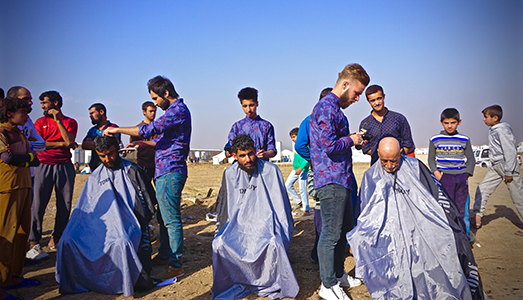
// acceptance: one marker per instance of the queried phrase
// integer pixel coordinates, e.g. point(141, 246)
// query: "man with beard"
point(108, 231)
point(331, 159)
point(172, 147)
point(410, 241)
point(56, 169)
point(98, 115)
point(253, 230)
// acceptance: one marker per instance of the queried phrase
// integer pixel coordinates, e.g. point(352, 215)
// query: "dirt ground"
point(498, 251)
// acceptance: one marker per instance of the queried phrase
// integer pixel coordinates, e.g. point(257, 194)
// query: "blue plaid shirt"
point(260, 131)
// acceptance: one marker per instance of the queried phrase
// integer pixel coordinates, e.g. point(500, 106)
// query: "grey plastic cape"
point(106, 236)
point(254, 229)
point(403, 245)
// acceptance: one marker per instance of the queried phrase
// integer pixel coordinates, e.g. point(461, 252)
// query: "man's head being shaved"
point(389, 153)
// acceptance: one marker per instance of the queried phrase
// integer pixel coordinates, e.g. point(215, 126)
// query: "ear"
point(166, 94)
point(459, 122)
point(233, 155)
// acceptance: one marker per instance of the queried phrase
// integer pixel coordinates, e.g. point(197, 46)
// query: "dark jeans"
point(169, 195)
point(337, 219)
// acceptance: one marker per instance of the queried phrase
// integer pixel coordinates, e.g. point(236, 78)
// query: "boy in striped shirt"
point(451, 159)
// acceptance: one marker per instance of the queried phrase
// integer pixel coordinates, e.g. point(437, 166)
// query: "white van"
point(481, 156)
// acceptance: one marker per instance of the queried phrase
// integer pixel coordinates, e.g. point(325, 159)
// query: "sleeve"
point(38, 127)
point(3, 143)
point(432, 157)
point(406, 135)
point(327, 130)
point(230, 137)
point(171, 119)
point(471, 161)
point(510, 155)
point(35, 140)
point(271, 142)
point(72, 127)
point(302, 140)
point(88, 135)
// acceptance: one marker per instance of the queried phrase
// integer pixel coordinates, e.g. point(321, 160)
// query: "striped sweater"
point(451, 154)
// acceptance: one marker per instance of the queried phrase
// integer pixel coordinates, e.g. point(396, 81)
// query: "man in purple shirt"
point(260, 130)
point(172, 146)
point(383, 122)
point(331, 158)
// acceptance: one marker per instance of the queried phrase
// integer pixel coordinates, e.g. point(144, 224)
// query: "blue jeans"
point(169, 195)
point(336, 216)
point(304, 196)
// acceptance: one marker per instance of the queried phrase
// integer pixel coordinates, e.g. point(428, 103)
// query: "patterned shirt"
point(393, 124)
point(174, 135)
point(451, 154)
point(260, 131)
point(330, 145)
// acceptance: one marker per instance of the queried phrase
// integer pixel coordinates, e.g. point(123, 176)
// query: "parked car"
point(481, 156)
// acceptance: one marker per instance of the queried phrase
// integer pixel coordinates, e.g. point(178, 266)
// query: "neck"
point(380, 113)
point(147, 121)
point(102, 124)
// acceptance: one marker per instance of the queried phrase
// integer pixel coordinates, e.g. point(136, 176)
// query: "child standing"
point(300, 170)
point(505, 167)
point(16, 157)
point(451, 159)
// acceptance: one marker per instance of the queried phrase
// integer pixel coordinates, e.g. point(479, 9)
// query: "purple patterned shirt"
point(174, 135)
point(331, 155)
point(260, 131)
point(393, 124)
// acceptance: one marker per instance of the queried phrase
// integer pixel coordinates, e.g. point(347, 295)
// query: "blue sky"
point(428, 55)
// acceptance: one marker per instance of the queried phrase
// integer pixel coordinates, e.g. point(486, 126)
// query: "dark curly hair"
point(242, 142)
point(11, 105)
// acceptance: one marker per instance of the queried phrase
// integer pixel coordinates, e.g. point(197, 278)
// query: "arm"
point(88, 143)
point(471, 161)
point(406, 136)
point(112, 131)
point(271, 144)
point(27, 159)
point(432, 160)
point(302, 140)
point(266, 154)
point(142, 144)
point(510, 155)
point(67, 136)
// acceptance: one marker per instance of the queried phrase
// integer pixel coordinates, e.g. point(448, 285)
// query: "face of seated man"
point(389, 153)
point(110, 157)
point(246, 159)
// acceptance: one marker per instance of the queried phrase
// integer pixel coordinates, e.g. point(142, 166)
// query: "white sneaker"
point(333, 293)
point(36, 253)
point(347, 281)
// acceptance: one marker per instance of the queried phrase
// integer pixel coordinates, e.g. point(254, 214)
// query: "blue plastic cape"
point(254, 229)
point(403, 245)
point(99, 249)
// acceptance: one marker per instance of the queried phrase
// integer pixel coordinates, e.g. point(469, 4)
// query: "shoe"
point(477, 220)
point(297, 207)
point(27, 282)
point(36, 253)
point(348, 281)
point(170, 272)
point(333, 293)
point(157, 261)
point(307, 213)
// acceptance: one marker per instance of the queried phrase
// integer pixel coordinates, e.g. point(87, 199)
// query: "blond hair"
point(354, 71)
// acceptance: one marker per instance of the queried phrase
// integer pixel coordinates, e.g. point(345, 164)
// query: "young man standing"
point(331, 159)
point(98, 115)
point(56, 169)
point(146, 147)
point(172, 147)
point(260, 130)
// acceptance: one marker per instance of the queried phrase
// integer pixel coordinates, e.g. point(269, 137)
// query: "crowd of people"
point(105, 244)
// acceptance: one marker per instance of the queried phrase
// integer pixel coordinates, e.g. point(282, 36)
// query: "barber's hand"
point(111, 131)
point(508, 179)
point(357, 138)
point(261, 153)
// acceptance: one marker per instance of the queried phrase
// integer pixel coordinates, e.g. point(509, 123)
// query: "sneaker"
point(333, 293)
point(158, 261)
point(170, 272)
point(348, 281)
point(36, 253)
point(297, 207)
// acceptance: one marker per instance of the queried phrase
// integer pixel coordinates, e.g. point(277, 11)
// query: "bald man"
point(411, 232)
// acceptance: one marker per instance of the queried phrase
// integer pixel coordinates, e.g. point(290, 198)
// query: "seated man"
point(253, 230)
point(105, 246)
point(410, 242)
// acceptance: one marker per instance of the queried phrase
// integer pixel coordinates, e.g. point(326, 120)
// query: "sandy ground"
point(498, 252)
